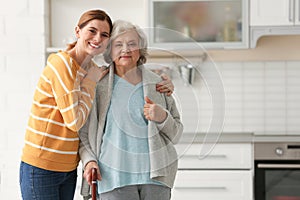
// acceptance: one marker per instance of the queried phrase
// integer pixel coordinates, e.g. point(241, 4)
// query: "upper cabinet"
point(269, 17)
point(274, 13)
point(183, 24)
point(196, 24)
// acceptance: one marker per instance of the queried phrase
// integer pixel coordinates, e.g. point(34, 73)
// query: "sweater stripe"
point(76, 104)
point(48, 81)
point(44, 105)
point(51, 136)
point(73, 123)
point(83, 114)
point(45, 79)
point(55, 122)
point(86, 106)
point(71, 107)
point(58, 77)
point(88, 95)
point(51, 150)
point(43, 92)
point(81, 74)
point(47, 120)
point(66, 63)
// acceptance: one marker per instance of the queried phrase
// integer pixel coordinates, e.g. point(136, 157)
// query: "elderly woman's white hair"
point(121, 26)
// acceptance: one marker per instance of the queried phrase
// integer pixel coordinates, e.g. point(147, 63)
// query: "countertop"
point(236, 137)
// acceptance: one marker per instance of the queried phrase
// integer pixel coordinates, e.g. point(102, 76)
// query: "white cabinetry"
point(213, 184)
point(225, 173)
point(197, 24)
point(269, 17)
point(274, 13)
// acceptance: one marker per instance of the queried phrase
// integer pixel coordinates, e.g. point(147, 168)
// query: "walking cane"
point(94, 183)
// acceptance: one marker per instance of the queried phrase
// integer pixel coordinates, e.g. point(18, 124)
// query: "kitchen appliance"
point(277, 171)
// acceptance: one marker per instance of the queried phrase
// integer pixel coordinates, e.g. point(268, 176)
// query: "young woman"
point(61, 104)
point(130, 133)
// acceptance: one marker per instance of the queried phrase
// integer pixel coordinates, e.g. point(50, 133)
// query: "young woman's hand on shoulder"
point(97, 73)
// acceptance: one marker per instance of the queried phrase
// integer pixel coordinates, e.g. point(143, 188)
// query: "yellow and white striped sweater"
point(60, 107)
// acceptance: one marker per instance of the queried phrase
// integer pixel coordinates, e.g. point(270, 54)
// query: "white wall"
point(21, 61)
point(63, 24)
point(261, 96)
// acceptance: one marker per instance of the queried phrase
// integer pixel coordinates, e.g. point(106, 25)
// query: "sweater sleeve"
point(172, 126)
point(89, 129)
point(73, 92)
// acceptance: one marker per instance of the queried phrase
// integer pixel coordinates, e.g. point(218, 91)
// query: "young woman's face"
point(94, 37)
point(125, 49)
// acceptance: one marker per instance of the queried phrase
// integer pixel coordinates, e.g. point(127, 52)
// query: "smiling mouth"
point(95, 46)
point(125, 56)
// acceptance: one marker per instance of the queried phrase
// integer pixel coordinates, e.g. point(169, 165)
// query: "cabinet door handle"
point(279, 166)
point(207, 156)
point(200, 188)
point(298, 11)
point(291, 10)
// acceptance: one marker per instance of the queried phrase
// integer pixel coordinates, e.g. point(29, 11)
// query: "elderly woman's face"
point(125, 49)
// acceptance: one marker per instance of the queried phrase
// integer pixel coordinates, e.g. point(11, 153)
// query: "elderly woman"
point(131, 130)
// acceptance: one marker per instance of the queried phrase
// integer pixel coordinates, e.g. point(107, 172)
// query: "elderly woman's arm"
point(87, 155)
point(85, 150)
point(168, 120)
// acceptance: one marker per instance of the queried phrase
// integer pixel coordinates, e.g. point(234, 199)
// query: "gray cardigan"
point(161, 138)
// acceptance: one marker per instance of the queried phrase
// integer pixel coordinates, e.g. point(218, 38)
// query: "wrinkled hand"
point(97, 73)
point(165, 86)
point(88, 172)
point(153, 111)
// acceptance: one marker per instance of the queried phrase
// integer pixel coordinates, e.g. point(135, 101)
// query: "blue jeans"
point(40, 184)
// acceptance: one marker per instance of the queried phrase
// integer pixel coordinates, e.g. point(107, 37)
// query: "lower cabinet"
point(225, 173)
point(213, 184)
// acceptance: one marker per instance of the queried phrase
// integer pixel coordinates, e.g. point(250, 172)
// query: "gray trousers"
point(138, 192)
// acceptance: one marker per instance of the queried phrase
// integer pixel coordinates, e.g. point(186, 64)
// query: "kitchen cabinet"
point(198, 24)
point(228, 156)
point(170, 24)
point(282, 19)
point(211, 184)
point(283, 13)
point(225, 173)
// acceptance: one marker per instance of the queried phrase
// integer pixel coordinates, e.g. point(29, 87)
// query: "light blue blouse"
point(124, 158)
